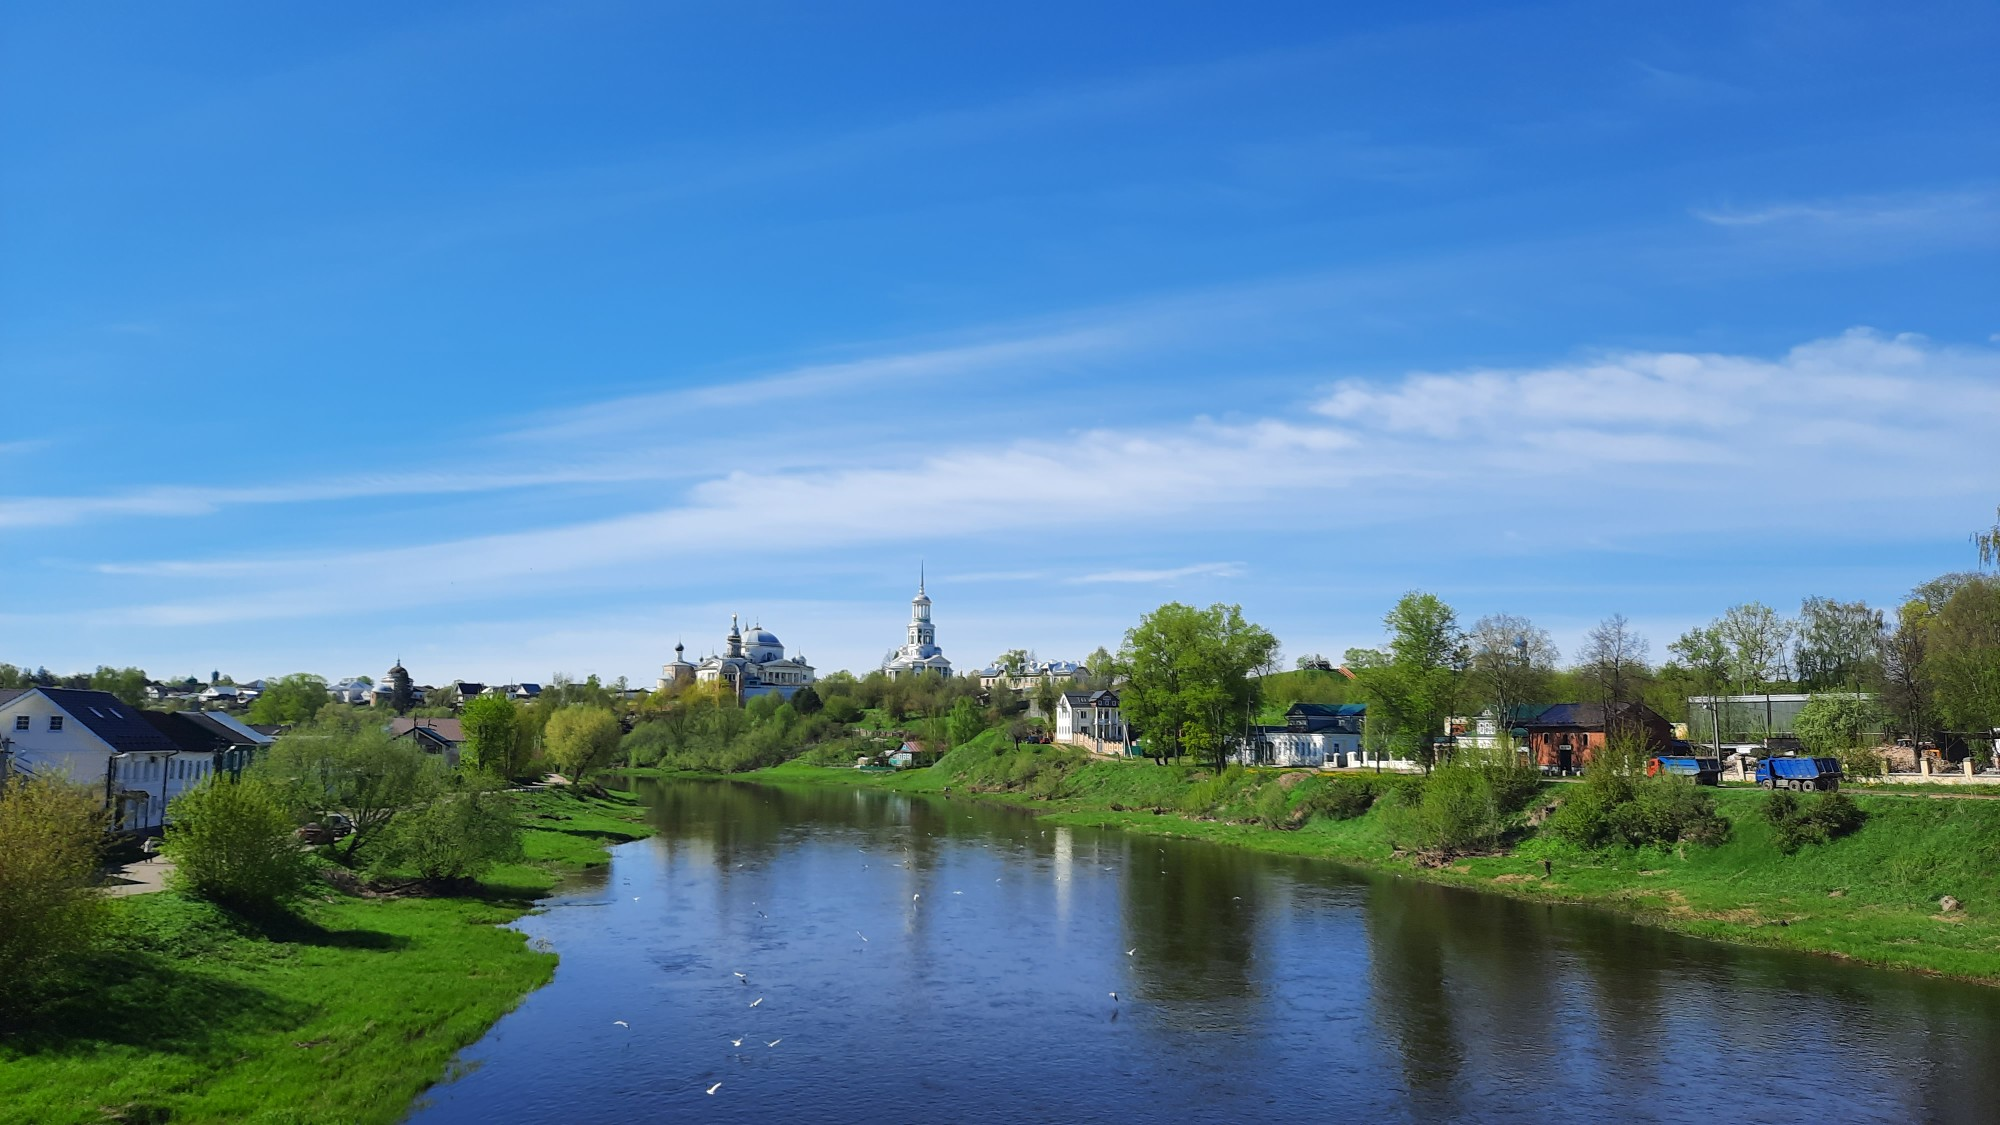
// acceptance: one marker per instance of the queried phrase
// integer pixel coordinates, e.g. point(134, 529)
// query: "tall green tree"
point(290, 699)
point(965, 722)
point(1414, 684)
point(496, 736)
point(1963, 661)
point(1182, 666)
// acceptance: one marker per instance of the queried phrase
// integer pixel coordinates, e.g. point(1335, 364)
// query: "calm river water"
point(934, 960)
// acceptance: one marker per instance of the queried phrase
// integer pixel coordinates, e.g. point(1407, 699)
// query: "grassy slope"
point(1872, 897)
point(343, 1016)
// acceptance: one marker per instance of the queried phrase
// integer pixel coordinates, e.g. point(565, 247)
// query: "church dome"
point(760, 636)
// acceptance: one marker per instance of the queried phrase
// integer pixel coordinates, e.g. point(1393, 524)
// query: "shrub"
point(1614, 809)
point(1271, 810)
point(1797, 821)
point(51, 836)
point(1342, 798)
point(231, 843)
point(454, 839)
point(1513, 779)
point(1453, 810)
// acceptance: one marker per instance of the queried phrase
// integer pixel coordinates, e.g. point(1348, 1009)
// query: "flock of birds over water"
point(744, 979)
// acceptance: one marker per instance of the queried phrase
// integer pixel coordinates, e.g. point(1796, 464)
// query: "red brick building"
point(1567, 736)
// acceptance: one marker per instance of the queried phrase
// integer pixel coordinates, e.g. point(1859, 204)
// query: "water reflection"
point(929, 959)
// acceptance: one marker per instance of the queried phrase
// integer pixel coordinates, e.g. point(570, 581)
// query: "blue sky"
point(522, 338)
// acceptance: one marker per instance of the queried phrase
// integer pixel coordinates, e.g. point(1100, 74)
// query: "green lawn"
point(343, 1014)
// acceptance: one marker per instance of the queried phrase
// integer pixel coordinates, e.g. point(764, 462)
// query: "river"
point(938, 960)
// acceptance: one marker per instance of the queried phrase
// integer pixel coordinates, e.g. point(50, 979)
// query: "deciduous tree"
point(1184, 665)
point(1413, 685)
point(347, 763)
point(581, 738)
point(290, 699)
point(1510, 663)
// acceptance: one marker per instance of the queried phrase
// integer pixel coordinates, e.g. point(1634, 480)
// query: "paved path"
point(140, 877)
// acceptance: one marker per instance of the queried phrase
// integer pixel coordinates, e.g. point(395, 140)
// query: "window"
point(55, 722)
point(20, 722)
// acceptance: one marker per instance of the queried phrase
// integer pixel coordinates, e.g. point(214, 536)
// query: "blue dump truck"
point(1799, 773)
point(1704, 771)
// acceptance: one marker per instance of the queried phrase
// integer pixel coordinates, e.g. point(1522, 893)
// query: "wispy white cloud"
point(897, 368)
point(1880, 213)
point(167, 501)
point(1175, 574)
point(1875, 425)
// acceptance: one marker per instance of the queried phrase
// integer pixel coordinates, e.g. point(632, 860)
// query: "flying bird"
point(757, 1001)
point(1114, 996)
point(739, 974)
point(621, 1023)
point(958, 892)
point(915, 897)
point(738, 1042)
point(775, 1042)
point(1131, 951)
point(862, 936)
point(714, 1088)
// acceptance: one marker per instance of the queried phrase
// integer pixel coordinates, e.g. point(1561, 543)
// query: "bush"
point(454, 839)
point(1513, 779)
point(1614, 809)
point(1453, 810)
point(842, 709)
point(1797, 821)
point(1342, 798)
point(231, 843)
point(1271, 810)
point(51, 838)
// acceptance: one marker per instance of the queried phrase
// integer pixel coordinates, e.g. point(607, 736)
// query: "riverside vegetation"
point(1858, 877)
point(253, 990)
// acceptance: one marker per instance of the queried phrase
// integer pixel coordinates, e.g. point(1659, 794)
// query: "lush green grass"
point(1871, 897)
point(343, 1013)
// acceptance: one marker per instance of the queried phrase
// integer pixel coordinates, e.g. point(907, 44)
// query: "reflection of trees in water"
point(1463, 985)
point(1194, 925)
point(1407, 927)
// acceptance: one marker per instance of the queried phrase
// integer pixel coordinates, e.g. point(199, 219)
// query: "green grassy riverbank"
point(1871, 897)
point(341, 1014)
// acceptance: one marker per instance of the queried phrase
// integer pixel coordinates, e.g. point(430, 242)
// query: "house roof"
point(10, 694)
point(1328, 710)
point(450, 729)
point(117, 723)
point(1588, 716)
point(204, 732)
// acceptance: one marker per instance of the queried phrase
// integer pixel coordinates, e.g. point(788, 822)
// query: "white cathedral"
point(921, 654)
point(751, 665)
